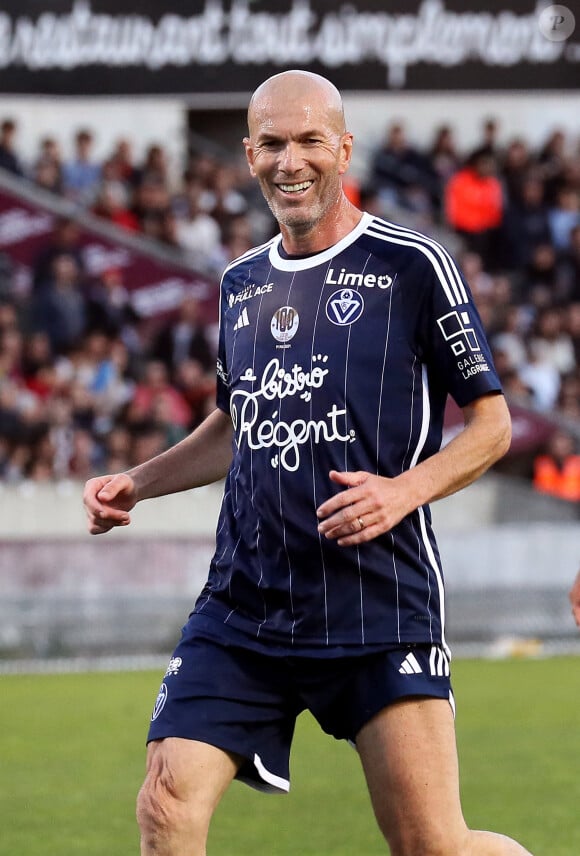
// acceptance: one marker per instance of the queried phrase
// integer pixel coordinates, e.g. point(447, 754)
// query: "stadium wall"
point(509, 557)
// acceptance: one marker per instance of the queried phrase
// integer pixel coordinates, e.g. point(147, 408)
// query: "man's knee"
point(166, 809)
point(184, 783)
point(162, 812)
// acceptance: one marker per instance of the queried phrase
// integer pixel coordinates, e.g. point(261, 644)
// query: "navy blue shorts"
point(247, 702)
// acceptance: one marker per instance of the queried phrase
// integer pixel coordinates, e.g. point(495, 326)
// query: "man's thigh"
point(235, 700)
point(409, 757)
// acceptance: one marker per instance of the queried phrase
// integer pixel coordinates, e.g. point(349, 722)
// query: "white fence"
point(64, 593)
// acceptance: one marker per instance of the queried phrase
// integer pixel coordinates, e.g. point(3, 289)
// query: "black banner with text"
point(117, 47)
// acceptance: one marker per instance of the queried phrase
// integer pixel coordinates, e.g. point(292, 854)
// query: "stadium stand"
point(88, 384)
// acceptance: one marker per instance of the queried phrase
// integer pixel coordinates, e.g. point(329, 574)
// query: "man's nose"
point(291, 159)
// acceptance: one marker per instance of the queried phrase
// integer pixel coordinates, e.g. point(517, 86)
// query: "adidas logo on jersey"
point(410, 666)
point(438, 663)
point(243, 320)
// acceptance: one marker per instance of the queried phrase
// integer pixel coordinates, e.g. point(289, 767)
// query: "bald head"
point(298, 149)
point(318, 99)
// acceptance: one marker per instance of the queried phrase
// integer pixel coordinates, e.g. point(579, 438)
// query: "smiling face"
point(298, 149)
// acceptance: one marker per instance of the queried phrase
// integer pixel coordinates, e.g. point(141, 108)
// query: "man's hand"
point(368, 506)
point(575, 599)
point(107, 499)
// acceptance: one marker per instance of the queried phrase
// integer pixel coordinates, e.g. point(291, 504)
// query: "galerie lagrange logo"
point(458, 332)
point(262, 431)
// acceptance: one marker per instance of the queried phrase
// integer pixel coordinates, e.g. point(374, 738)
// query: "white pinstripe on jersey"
point(374, 405)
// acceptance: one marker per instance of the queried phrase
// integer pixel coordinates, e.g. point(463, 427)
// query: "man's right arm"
point(201, 458)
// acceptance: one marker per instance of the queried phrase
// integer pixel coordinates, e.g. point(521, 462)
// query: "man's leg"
point(184, 783)
point(409, 757)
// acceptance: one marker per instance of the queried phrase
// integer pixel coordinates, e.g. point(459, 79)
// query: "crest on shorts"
point(159, 702)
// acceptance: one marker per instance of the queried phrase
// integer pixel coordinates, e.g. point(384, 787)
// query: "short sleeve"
point(449, 332)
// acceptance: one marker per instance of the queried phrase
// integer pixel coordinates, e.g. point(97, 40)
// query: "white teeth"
point(294, 188)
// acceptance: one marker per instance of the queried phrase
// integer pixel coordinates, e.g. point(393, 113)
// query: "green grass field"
point(71, 761)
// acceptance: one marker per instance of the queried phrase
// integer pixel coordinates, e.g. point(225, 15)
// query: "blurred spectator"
point(153, 387)
point(222, 200)
point(65, 240)
point(155, 167)
point(573, 326)
point(509, 338)
point(197, 231)
point(117, 449)
point(59, 307)
point(151, 202)
point(81, 175)
point(109, 308)
point(569, 268)
point(38, 367)
point(541, 280)
point(553, 162)
point(148, 440)
point(402, 174)
point(564, 216)
point(542, 379)
point(515, 169)
point(11, 352)
point(444, 159)
point(237, 240)
point(9, 160)
point(526, 223)
point(490, 136)
point(557, 471)
point(568, 403)
point(550, 343)
point(111, 205)
point(474, 206)
point(197, 387)
point(122, 161)
point(47, 169)
point(184, 338)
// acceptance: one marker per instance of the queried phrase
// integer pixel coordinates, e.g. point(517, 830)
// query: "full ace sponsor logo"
point(250, 291)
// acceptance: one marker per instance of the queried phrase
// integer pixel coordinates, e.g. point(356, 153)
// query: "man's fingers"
point(343, 500)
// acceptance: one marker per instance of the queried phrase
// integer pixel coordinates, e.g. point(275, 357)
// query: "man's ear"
point(249, 155)
point(345, 152)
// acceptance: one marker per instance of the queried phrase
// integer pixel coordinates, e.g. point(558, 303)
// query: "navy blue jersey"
point(340, 360)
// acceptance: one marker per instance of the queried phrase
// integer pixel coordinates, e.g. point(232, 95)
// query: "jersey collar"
point(312, 261)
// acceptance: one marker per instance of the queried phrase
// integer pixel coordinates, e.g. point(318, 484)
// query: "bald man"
point(340, 340)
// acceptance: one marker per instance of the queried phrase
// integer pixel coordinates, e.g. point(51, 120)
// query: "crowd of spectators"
point(86, 387)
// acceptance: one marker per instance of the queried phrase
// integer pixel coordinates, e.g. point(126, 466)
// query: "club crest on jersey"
point(284, 324)
point(344, 307)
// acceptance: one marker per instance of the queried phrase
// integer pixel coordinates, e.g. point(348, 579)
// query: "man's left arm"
point(370, 505)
